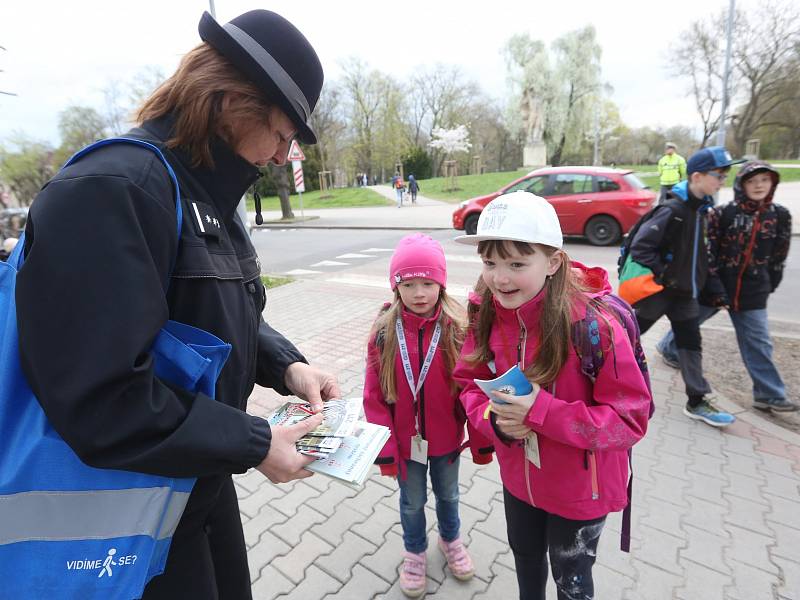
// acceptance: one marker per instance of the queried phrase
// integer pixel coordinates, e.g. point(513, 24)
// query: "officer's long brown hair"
point(195, 93)
point(563, 290)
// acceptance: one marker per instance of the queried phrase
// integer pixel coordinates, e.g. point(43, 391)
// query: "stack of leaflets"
point(344, 446)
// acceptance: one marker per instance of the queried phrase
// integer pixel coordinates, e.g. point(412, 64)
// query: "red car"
point(596, 202)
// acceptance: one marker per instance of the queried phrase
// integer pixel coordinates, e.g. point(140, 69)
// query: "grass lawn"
point(338, 198)
point(478, 185)
point(272, 281)
point(470, 185)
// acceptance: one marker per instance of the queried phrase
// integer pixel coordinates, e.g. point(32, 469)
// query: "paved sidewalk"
point(716, 515)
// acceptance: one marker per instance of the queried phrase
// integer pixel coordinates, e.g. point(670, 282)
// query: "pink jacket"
point(441, 415)
point(584, 429)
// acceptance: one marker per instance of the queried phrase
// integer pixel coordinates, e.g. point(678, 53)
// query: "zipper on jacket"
point(521, 343)
point(593, 473)
point(694, 255)
point(421, 407)
point(748, 253)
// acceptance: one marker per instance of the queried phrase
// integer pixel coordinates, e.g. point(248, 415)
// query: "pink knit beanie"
point(418, 255)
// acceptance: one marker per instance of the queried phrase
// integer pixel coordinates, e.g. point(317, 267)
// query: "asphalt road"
point(365, 254)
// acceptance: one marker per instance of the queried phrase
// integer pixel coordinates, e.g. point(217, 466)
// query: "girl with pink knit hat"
point(412, 349)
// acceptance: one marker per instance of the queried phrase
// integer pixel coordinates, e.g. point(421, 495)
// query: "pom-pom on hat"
point(418, 255)
point(518, 217)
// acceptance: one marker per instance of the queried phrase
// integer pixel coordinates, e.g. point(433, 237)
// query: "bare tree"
point(766, 46)
point(444, 100)
point(363, 89)
point(699, 55)
point(766, 56)
point(327, 122)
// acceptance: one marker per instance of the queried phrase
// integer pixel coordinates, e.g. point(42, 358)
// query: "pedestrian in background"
point(749, 242)
point(562, 448)
point(88, 311)
point(399, 188)
point(409, 388)
point(413, 187)
point(671, 170)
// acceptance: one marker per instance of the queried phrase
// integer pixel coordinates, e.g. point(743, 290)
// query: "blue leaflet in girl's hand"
point(511, 382)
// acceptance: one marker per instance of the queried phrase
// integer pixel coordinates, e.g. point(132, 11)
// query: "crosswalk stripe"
point(466, 258)
point(459, 291)
point(354, 256)
point(330, 263)
point(302, 272)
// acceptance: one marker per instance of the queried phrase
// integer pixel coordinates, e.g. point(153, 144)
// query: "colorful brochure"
point(339, 416)
point(352, 461)
point(511, 382)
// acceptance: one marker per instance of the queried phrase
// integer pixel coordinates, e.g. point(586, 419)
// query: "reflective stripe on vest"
point(99, 514)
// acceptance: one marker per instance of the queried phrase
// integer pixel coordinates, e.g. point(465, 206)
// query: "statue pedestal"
point(534, 155)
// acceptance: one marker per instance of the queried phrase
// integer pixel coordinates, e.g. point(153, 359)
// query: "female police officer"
point(88, 310)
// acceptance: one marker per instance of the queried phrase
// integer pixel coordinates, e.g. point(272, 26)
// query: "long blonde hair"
point(453, 318)
point(194, 94)
point(563, 290)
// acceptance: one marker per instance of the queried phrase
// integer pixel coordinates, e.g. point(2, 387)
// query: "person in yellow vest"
point(671, 170)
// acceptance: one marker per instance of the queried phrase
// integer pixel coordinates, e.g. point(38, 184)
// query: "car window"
point(633, 181)
point(606, 184)
point(534, 185)
point(520, 185)
point(572, 183)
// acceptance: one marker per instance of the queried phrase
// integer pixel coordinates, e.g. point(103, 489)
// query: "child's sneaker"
point(709, 414)
point(412, 574)
point(775, 404)
point(458, 559)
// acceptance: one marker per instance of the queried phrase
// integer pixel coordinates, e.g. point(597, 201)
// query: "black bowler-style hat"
point(276, 57)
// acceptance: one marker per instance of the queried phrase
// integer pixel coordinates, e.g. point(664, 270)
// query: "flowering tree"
point(450, 141)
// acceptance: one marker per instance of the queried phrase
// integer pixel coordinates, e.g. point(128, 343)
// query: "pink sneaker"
point(458, 559)
point(412, 574)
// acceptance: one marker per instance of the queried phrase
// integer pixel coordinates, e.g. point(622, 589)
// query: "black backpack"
point(625, 248)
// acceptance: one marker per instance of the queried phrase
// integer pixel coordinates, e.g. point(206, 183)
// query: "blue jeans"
point(414, 495)
point(755, 348)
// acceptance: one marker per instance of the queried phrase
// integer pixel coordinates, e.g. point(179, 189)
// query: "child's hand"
point(513, 409)
point(512, 430)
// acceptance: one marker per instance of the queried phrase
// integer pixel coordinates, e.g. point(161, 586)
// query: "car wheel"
point(471, 224)
point(602, 230)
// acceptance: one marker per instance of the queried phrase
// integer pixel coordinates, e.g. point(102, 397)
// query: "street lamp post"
point(726, 75)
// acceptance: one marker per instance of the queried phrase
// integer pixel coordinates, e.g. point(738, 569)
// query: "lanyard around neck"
point(423, 372)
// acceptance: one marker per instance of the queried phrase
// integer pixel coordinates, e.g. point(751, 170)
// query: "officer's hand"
point(283, 462)
point(311, 384)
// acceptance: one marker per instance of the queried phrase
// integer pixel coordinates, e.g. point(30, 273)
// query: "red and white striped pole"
point(299, 184)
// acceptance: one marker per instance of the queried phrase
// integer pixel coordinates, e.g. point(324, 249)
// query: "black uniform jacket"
point(101, 243)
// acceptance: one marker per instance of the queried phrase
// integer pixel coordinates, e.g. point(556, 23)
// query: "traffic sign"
point(295, 153)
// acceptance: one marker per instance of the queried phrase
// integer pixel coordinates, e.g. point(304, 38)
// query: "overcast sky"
point(67, 52)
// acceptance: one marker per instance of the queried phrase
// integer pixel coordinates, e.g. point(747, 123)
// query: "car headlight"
point(463, 204)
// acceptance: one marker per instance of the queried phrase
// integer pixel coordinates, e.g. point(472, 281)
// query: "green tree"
point(26, 168)
point(416, 160)
point(79, 126)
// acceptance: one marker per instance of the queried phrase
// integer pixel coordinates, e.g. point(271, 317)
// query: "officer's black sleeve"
point(275, 354)
point(90, 301)
point(646, 246)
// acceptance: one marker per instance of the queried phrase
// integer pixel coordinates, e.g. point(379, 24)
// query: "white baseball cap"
point(519, 217)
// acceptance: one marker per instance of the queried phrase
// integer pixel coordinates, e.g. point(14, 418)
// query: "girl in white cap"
point(563, 447)
point(409, 388)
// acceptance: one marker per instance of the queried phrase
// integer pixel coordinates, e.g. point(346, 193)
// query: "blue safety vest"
point(68, 530)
